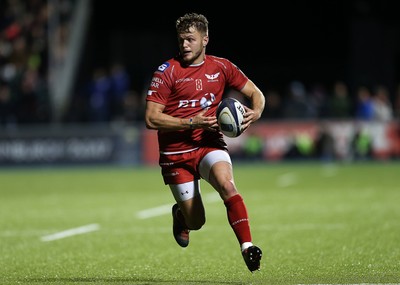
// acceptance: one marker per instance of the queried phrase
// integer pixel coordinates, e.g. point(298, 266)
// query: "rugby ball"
point(229, 114)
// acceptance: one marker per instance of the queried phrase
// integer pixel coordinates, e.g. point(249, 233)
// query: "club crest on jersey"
point(163, 67)
point(207, 100)
point(212, 77)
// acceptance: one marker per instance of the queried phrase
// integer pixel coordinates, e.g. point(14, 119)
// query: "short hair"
point(198, 21)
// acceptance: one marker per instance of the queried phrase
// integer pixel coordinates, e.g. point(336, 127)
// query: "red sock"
point(238, 218)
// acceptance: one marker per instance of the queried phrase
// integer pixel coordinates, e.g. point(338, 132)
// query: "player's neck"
point(198, 61)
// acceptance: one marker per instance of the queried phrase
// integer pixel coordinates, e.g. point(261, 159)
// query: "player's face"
point(192, 46)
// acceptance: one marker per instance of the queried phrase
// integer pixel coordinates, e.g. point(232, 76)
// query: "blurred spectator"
point(324, 145)
point(273, 106)
point(396, 104)
point(32, 101)
point(296, 105)
point(364, 105)
point(340, 104)
point(23, 55)
point(120, 84)
point(318, 101)
point(99, 96)
point(382, 107)
point(361, 145)
point(7, 116)
point(78, 107)
point(301, 146)
point(253, 147)
point(20, 54)
point(133, 109)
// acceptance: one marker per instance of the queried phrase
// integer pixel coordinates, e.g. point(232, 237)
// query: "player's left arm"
point(257, 99)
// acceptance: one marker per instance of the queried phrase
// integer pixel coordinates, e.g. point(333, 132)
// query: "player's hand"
point(249, 117)
point(205, 122)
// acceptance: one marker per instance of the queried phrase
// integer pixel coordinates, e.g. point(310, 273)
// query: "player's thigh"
point(220, 158)
point(216, 168)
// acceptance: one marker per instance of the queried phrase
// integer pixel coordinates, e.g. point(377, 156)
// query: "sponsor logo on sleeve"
point(156, 82)
point(163, 67)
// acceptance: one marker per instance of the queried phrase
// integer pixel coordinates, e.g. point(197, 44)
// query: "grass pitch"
point(316, 224)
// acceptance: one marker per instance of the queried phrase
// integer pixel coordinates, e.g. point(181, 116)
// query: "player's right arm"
point(157, 120)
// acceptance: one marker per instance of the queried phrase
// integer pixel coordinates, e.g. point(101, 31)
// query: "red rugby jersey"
point(185, 91)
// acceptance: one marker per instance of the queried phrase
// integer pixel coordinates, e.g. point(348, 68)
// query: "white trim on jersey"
point(177, 152)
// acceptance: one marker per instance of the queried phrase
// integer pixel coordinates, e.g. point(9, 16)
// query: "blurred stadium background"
point(73, 78)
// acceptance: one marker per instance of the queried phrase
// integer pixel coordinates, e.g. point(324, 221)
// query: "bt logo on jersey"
point(187, 103)
point(204, 102)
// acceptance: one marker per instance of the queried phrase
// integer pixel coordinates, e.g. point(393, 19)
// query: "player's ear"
point(205, 41)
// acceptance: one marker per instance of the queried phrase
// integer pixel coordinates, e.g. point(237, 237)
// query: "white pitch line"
point(287, 179)
point(154, 212)
point(71, 232)
point(166, 209)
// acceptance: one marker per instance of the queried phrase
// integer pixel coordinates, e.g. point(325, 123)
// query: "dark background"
point(273, 42)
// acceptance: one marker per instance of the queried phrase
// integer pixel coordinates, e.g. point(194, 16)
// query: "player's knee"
point(228, 189)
